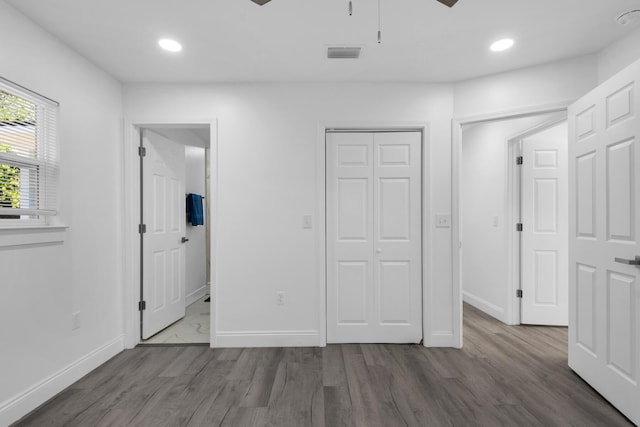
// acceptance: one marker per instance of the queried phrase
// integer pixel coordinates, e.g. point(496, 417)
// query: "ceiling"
point(286, 40)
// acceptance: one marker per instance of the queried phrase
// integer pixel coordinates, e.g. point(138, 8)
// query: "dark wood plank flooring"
point(504, 376)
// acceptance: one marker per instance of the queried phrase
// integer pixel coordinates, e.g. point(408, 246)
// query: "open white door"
point(164, 214)
point(604, 196)
point(374, 265)
point(545, 275)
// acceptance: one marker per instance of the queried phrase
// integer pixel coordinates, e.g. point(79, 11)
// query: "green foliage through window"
point(13, 110)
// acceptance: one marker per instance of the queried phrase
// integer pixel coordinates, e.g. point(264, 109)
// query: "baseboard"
point(484, 305)
point(440, 339)
point(196, 295)
point(226, 339)
point(25, 402)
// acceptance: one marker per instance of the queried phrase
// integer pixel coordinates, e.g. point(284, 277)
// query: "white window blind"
point(28, 153)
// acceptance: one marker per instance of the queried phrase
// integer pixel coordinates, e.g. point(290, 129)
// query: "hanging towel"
point(194, 209)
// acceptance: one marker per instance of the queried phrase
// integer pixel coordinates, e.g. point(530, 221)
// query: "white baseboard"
point(196, 295)
point(484, 305)
point(226, 339)
point(440, 339)
point(25, 402)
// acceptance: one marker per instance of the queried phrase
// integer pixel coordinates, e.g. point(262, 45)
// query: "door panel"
point(164, 213)
point(545, 227)
point(395, 292)
point(604, 324)
point(374, 269)
point(394, 205)
point(353, 281)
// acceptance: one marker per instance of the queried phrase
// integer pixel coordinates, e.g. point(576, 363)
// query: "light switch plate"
point(307, 221)
point(443, 220)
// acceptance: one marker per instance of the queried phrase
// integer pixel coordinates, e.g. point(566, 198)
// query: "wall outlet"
point(75, 321)
point(307, 221)
point(280, 298)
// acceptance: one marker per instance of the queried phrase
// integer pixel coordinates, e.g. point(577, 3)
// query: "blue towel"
point(195, 213)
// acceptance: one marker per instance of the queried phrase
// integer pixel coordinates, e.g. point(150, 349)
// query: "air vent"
point(343, 52)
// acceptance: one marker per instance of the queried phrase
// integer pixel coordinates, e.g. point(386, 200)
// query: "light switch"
point(443, 221)
point(307, 221)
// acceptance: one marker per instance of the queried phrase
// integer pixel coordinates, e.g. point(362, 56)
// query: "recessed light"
point(170, 45)
point(501, 45)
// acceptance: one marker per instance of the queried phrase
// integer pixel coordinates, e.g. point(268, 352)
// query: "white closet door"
point(164, 252)
point(374, 266)
point(604, 207)
point(545, 276)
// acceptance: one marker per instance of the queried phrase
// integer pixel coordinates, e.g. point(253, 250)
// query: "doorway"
point(513, 216)
point(374, 236)
point(174, 293)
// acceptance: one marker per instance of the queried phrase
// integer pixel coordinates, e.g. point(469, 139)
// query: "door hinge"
point(519, 226)
point(142, 305)
point(519, 160)
point(519, 293)
point(142, 151)
point(142, 228)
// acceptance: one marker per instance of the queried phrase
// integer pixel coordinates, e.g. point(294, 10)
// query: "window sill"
point(32, 235)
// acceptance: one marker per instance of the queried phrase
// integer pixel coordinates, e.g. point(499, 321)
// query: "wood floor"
point(504, 376)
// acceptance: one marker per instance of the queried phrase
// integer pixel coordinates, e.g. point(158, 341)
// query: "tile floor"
point(193, 328)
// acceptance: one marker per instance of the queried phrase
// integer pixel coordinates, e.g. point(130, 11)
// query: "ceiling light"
point(170, 45)
point(501, 45)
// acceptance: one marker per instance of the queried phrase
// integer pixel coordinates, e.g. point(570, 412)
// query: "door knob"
point(184, 240)
point(635, 261)
point(379, 250)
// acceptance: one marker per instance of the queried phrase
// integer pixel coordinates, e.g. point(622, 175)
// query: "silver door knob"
point(184, 240)
point(635, 261)
point(379, 250)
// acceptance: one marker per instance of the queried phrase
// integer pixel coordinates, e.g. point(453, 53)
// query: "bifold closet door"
point(374, 237)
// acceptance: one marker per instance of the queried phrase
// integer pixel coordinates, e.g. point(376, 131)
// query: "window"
point(28, 155)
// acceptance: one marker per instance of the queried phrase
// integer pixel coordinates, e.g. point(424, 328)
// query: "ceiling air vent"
point(343, 52)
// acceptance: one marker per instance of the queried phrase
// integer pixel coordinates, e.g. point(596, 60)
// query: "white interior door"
point(374, 266)
point(604, 326)
point(545, 273)
point(163, 250)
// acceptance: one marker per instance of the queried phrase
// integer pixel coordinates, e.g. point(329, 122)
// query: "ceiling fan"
point(449, 3)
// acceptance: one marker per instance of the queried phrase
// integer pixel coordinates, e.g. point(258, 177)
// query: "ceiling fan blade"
point(263, 2)
point(449, 3)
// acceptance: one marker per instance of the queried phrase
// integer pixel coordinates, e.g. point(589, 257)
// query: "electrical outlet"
point(280, 298)
point(75, 321)
point(307, 221)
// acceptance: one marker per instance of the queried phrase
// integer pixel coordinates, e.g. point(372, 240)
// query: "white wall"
point(43, 284)
point(196, 253)
point(557, 82)
point(483, 199)
point(618, 55)
point(267, 157)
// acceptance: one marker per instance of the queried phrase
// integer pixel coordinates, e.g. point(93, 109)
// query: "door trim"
point(456, 156)
point(321, 235)
point(131, 219)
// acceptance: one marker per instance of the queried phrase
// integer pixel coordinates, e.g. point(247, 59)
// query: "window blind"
point(28, 153)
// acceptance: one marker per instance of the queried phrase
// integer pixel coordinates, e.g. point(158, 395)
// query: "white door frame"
point(321, 235)
point(514, 214)
point(131, 215)
point(456, 156)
